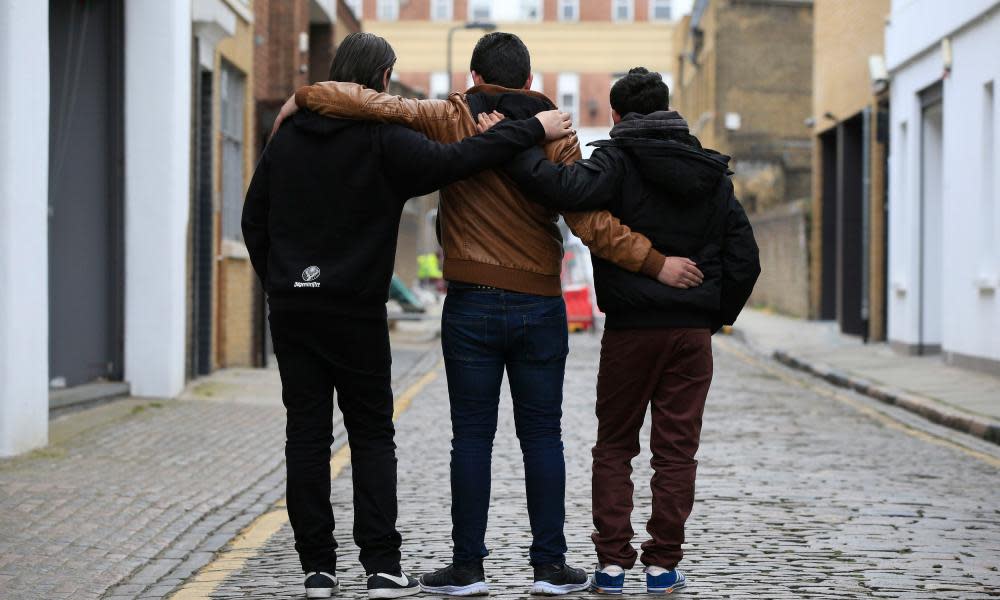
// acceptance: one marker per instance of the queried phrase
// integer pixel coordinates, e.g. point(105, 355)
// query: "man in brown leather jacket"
point(502, 259)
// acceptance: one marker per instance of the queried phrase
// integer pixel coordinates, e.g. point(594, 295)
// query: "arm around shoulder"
point(354, 101)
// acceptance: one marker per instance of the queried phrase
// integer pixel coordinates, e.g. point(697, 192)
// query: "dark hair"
point(501, 59)
point(639, 92)
point(363, 58)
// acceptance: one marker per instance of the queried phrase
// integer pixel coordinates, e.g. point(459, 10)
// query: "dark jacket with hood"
point(322, 212)
point(654, 176)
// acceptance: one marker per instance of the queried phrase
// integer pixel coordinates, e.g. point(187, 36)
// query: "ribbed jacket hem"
point(504, 278)
point(654, 319)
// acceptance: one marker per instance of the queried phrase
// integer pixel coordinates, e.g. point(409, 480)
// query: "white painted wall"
point(970, 217)
point(157, 194)
point(24, 260)
point(916, 25)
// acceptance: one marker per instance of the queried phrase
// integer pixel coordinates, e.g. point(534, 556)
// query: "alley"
point(804, 492)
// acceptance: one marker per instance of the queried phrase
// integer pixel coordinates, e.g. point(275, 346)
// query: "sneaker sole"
point(322, 592)
point(667, 590)
point(394, 592)
point(616, 591)
point(544, 588)
point(473, 589)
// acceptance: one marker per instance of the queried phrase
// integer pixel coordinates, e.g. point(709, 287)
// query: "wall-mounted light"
point(946, 56)
point(877, 73)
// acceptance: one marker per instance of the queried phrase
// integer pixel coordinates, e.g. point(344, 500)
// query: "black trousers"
point(318, 353)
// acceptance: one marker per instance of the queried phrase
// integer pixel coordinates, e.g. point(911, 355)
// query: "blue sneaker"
point(608, 579)
point(662, 581)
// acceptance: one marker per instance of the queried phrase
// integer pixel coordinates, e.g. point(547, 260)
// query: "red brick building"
point(294, 44)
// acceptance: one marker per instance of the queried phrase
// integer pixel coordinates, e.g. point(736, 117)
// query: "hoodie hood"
point(513, 104)
point(317, 124)
point(665, 124)
point(667, 155)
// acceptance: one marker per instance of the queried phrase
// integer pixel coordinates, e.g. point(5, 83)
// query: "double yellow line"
point(254, 536)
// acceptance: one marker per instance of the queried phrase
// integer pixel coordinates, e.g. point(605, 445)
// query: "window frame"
point(471, 10)
point(539, 11)
point(614, 11)
point(436, 78)
point(380, 6)
point(562, 5)
point(652, 11)
point(449, 13)
point(562, 83)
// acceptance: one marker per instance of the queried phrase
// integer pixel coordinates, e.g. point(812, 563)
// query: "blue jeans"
point(484, 332)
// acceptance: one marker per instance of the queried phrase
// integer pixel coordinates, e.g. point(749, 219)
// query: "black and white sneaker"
point(321, 585)
point(456, 580)
point(390, 585)
point(559, 579)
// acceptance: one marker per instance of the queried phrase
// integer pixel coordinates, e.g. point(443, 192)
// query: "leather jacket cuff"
point(653, 264)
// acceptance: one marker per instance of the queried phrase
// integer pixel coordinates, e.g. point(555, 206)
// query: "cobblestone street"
point(804, 491)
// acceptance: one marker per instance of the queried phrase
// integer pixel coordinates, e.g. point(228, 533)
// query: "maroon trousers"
point(671, 370)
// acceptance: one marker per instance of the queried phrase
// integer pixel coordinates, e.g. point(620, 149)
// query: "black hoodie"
point(322, 213)
point(654, 176)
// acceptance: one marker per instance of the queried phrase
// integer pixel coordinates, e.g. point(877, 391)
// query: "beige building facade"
point(848, 210)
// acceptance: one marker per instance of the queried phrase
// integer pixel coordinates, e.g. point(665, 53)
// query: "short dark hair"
point(640, 92)
point(501, 59)
point(363, 58)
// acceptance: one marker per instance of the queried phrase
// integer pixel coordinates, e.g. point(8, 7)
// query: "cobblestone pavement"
point(132, 497)
point(804, 491)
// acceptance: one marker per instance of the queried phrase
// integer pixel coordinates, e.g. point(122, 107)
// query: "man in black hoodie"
point(320, 222)
point(655, 176)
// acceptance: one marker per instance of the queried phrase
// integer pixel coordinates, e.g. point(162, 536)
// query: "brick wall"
point(784, 280)
point(595, 103)
point(239, 319)
point(278, 61)
point(742, 71)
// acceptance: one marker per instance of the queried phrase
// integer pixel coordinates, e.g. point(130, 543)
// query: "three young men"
point(504, 311)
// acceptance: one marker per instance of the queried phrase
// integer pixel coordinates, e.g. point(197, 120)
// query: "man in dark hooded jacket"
point(654, 176)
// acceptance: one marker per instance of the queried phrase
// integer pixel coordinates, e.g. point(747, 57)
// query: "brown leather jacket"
point(491, 234)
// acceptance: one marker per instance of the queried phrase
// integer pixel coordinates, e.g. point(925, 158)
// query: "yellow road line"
point(862, 407)
point(254, 536)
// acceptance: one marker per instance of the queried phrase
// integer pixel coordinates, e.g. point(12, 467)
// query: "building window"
point(356, 6)
point(622, 10)
point(537, 83)
point(660, 10)
point(387, 10)
point(531, 10)
point(232, 85)
point(440, 85)
point(480, 10)
point(569, 10)
point(442, 10)
point(568, 95)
